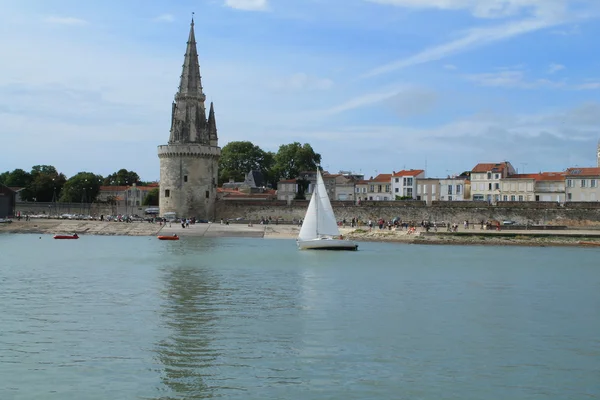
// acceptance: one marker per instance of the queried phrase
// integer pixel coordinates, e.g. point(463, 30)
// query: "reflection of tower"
point(188, 312)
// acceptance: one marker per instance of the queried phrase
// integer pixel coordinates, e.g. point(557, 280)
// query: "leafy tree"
point(238, 158)
point(121, 178)
point(82, 187)
point(4, 176)
point(151, 198)
point(18, 178)
point(45, 183)
point(291, 159)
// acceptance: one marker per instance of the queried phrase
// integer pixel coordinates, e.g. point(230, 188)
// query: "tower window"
point(207, 194)
point(185, 178)
point(167, 193)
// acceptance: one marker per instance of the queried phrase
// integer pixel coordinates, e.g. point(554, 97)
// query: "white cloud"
point(476, 37)
point(165, 18)
point(553, 68)
point(365, 100)
point(487, 8)
point(65, 21)
point(302, 81)
point(450, 67)
point(501, 78)
point(248, 5)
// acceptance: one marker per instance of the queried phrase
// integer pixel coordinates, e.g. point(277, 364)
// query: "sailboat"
point(319, 229)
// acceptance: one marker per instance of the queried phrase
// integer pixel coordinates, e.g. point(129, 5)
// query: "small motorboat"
point(174, 237)
point(73, 236)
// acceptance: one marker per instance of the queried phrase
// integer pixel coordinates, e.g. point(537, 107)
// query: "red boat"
point(73, 236)
point(174, 237)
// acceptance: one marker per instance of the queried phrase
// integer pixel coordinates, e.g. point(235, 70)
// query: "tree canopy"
point(46, 183)
point(238, 158)
point(151, 198)
point(16, 178)
point(293, 158)
point(82, 187)
point(121, 178)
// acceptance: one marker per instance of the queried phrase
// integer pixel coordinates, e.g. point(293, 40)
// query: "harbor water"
point(107, 317)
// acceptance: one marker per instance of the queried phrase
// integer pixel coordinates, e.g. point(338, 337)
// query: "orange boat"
point(74, 236)
point(174, 237)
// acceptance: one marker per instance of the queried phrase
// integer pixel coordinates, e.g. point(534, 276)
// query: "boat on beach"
point(164, 237)
point(73, 236)
point(319, 229)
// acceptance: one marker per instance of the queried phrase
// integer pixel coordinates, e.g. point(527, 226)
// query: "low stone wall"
point(471, 211)
point(36, 208)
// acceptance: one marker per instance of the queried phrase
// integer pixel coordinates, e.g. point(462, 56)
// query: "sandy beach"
point(569, 237)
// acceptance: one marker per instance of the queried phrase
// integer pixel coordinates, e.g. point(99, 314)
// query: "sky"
point(374, 86)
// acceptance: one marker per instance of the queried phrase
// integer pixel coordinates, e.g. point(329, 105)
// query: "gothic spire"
point(212, 124)
point(191, 83)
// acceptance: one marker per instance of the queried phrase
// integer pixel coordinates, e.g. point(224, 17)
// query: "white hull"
point(326, 244)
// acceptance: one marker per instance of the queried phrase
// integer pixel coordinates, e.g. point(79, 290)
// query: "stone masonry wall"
point(414, 211)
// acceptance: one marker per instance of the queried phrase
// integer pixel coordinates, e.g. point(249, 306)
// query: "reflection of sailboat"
point(319, 229)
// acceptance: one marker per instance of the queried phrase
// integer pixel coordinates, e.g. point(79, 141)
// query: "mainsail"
point(320, 218)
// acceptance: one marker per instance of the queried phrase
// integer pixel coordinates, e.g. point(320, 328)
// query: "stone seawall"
point(453, 212)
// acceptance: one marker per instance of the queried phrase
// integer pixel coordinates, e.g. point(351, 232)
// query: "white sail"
point(327, 225)
point(319, 219)
point(308, 230)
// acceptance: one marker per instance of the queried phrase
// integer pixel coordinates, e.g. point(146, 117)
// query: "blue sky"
point(375, 86)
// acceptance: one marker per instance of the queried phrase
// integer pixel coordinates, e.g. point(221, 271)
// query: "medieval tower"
point(189, 162)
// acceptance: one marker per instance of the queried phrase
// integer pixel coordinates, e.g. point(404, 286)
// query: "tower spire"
point(212, 125)
point(191, 83)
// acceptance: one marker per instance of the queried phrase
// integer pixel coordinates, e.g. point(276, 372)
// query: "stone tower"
point(189, 162)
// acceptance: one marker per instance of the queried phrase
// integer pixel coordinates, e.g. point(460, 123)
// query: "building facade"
point(7, 201)
point(486, 180)
point(189, 162)
point(455, 189)
point(428, 189)
point(582, 184)
point(404, 183)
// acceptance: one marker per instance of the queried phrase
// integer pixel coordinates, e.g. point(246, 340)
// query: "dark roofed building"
point(7, 202)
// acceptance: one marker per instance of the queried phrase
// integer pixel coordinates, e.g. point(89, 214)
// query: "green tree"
point(4, 176)
point(46, 182)
point(121, 178)
point(82, 187)
point(18, 178)
point(151, 198)
point(293, 158)
point(238, 158)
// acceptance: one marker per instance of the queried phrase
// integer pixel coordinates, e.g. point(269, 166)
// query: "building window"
point(489, 175)
point(396, 180)
point(489, 186)
point(497, 186)
point(387, 188)
point(569, 196)
point(397, 190)
point(520, 197)
point(449, 189)
point(408, 192)
point(593, 183)
point(364, 190)
point(167, 193)
point(478, 197)
point(185, 178)
point(497, 176)
point(371, 188)
point(449, 198)
point(379, 188)
point(512, 198)
point(137, 202)
point(207, 194)
point(505, 198)
point(458, 189)
point(569, 183)
point(583, 183)
point(357, 190)
point(408, 181)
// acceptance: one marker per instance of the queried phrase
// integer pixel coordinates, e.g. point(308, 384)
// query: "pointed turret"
point(212, 126)
point(191, 82)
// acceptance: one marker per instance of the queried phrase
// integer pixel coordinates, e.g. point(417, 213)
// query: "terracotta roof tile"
point(410, 172)
point(583, 171)
point(542, 176)
point(486, 167)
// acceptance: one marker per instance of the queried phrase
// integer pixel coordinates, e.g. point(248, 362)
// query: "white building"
point(455, 189)
point(582, 184)
point(486, 179)
point(404, 183)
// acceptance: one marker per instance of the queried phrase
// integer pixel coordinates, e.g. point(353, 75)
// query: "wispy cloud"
point(165, 18)
point(573, 30)
point(450, 67)
point(65, 21)
point(517, 79)
point(302, 81)
point(554, 68)
point(365, 100)
point(248, 5)
point(476, 37)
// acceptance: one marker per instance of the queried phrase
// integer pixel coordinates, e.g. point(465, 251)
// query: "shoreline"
point(563, 238)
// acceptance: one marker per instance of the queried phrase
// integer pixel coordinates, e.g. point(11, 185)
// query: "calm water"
point(136, 318)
